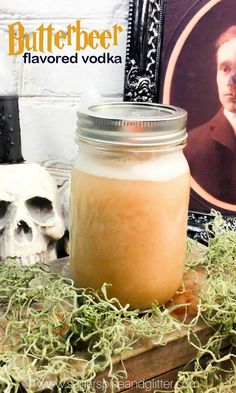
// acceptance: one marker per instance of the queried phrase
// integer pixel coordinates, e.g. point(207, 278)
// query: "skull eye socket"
point(3, 208)
point(40, 208)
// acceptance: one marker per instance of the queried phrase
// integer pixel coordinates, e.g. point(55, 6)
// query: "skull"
point(30, 220)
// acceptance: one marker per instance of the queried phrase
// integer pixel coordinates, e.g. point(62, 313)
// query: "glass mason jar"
point(129, 201)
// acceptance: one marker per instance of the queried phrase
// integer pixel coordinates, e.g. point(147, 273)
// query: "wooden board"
point(149, 366)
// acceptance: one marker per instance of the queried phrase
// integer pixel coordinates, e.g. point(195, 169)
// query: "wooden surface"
point(150, 366)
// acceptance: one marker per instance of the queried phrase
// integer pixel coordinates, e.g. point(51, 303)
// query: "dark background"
point(194, 81)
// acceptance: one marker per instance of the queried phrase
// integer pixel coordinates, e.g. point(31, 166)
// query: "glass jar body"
point(129, 222)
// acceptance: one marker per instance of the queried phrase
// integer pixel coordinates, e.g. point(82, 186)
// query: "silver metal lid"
point(133, 123)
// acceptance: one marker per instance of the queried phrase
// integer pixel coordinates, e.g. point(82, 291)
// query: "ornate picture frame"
point(144, 40)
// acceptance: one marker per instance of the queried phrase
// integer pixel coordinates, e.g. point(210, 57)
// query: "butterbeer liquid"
point(128, 228)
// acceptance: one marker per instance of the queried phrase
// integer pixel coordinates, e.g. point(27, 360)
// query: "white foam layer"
point(161, 168)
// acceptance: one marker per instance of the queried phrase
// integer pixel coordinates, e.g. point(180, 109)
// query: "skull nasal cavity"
point(23, 228)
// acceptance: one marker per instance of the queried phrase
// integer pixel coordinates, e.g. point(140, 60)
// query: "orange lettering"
point(16, 36)
point(105, 36)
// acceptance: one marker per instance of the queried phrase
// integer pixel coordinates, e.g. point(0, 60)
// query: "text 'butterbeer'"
point(47, 38)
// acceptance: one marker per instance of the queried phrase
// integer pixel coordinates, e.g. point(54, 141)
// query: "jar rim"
point(132, 123)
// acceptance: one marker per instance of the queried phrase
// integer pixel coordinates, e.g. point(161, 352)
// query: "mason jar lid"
point(133, 123)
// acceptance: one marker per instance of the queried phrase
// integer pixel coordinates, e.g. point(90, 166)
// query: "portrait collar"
point(222, 131)
point(231, 117)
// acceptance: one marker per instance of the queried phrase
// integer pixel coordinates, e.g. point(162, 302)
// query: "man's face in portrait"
point(226, 75)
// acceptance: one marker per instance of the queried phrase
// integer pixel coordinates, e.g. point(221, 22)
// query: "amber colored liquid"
point(131, 234)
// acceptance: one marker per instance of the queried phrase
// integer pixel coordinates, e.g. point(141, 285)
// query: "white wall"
point(50, 94)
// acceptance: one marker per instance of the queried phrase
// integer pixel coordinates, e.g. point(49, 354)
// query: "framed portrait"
point(194, 51)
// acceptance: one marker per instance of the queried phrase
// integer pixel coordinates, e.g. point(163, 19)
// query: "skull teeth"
point(31, 260)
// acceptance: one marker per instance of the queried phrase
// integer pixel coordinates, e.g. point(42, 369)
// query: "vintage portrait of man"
point(211, 148)
point(198, 74)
